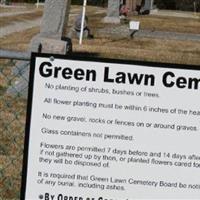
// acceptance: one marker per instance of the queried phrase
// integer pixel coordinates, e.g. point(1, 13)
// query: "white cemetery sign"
point(101, 129)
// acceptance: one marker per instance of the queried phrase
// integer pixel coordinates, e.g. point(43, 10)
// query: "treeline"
point(187, 5)
point(77, 2)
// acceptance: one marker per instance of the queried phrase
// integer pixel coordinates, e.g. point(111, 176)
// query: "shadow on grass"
point(85, 54)
point(2, 90)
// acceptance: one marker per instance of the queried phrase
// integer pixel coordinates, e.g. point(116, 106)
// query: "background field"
point(104, 44)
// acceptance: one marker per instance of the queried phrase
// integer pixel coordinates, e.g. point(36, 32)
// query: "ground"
point(117, 45)
point(161, 39)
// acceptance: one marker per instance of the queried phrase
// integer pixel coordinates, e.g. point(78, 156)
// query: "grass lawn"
point(19, 8)
point(144, 49)
point(176, 24)
point(5, 21)
point(18, 41)
point(147, 49)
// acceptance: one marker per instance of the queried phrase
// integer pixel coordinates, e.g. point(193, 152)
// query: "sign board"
point(134, 25)
point(100, 129)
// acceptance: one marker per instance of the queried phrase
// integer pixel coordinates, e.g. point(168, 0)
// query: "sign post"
point(100, 129)
point(82, 22)
point(38, 1)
